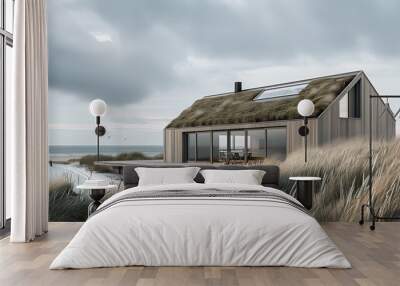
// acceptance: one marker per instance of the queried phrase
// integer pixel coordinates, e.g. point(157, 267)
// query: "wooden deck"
point(375, 257)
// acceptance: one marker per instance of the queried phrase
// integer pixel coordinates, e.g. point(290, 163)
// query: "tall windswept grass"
point(344, 170)
point(64, 203)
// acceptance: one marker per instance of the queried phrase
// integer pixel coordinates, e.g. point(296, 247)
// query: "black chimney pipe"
point(238, 86)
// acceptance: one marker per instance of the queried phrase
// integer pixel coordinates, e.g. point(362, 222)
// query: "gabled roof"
point(240, 107)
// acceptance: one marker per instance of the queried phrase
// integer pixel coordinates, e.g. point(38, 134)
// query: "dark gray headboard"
point(271, 177)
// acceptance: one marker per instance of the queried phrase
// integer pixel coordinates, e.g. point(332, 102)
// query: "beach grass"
point(344, 170)
point(64, 203)
point(67, 205)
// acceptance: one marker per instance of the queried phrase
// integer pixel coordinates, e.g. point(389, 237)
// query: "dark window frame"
point(228, 133)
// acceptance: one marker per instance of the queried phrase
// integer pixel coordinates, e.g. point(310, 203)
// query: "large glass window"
point(237, 145)
point(220, 146)
point(191, 147)
point(276, 143)
point(203, 146)
point(256, 144)
point(350, 103)
point(355, 101)
point(6, 42)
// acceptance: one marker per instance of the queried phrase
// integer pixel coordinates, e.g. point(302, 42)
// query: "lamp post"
point(370, 204)
point(98, 108)
point(305, 108)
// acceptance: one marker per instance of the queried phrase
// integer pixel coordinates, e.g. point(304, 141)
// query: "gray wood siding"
point(173, 145)
point(383, 123)
point(295, 141)
point(332, 128)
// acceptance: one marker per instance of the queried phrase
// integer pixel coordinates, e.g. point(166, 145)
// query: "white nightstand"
point(96, 193)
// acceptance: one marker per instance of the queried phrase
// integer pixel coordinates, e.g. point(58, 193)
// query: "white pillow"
point(166, 176)
point(247, 177)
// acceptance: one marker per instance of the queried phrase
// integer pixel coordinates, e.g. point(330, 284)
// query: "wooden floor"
point(375, 257)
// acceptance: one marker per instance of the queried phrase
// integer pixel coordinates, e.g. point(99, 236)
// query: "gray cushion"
point(270, 179)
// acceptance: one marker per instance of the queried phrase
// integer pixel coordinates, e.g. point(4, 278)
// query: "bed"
point(197, 224)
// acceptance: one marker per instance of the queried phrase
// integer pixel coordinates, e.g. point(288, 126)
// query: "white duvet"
point(193, 231)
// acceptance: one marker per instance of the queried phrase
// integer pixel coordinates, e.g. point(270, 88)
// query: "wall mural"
point(149, 70)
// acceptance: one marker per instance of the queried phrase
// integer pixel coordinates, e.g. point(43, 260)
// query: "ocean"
point(78, 174)
point(76, 151)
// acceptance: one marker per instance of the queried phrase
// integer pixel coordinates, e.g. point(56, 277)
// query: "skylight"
point(281, 91)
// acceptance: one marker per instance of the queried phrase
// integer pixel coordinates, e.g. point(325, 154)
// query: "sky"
point(150, 59)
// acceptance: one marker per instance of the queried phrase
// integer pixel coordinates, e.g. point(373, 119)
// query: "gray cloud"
point(122, 70)
point(150, 38)
point(267, 29)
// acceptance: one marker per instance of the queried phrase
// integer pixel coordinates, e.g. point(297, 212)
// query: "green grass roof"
point(233, 108)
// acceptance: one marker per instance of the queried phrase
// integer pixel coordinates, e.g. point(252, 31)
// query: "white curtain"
point(27, 121)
